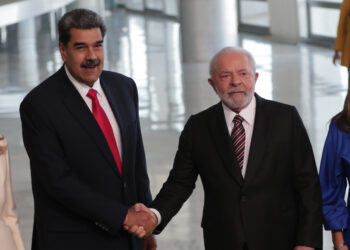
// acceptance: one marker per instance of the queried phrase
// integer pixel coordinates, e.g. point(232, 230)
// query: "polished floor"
point(147, 48)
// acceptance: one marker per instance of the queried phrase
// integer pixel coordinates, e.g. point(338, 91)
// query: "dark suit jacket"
point(277, 205)
point(80, 198)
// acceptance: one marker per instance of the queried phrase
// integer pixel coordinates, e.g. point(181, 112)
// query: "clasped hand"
point(140, 221)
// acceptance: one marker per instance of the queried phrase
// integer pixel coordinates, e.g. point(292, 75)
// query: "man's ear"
point(212, 84)
point(63, 51)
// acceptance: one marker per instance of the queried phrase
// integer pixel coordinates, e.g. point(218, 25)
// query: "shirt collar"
point(248, 113)
point(83, 88)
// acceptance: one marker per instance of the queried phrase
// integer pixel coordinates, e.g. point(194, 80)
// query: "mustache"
point(90, 63)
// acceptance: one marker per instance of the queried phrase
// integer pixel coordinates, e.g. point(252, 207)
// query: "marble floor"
point(147, 48)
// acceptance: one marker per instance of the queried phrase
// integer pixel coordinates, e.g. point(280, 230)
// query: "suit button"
point(124, 184)
point(244, 198)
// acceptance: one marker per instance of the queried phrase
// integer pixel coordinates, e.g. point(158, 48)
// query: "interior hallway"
point(147, 48)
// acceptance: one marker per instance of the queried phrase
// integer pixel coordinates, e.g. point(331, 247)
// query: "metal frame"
point(254, 29)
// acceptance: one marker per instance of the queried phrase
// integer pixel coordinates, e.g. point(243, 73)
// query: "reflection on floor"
point(147, 49)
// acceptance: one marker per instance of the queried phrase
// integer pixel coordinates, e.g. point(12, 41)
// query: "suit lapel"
point(259, 140)
point(81, 112)
point(223, 143)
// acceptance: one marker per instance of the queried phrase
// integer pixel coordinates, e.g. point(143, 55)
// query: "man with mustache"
point(82, 133)
point(256, 165)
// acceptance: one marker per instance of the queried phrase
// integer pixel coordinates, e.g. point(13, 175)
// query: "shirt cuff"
point(159, 217)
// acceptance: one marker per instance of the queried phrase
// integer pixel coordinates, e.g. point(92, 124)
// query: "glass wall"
point(323, 18)
point(253, 16)
point(154, 5)
point(166, 7)
point(318, 19)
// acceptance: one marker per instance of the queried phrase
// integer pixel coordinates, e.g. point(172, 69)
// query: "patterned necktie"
point(238, 139)
point(106, 127)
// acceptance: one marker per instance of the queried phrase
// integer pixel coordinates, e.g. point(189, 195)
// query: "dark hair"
point(79, 19)
point(342, 119)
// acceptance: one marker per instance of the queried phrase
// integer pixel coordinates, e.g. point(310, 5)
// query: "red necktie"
point(105, 126)
point(238, 139)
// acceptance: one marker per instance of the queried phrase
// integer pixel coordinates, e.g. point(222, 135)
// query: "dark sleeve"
point(307, 187)
point(54, 176)
point(333, 181)
point(181, 181)
point(142, 180)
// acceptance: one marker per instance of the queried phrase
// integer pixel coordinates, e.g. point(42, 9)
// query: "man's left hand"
point(149, 243)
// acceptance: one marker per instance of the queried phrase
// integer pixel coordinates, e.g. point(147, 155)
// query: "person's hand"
point(345, 247)
point(3, 144)
point(303, 248)
point(140, 221)
point(335, 57)
point(338, 239)
point(149, 243)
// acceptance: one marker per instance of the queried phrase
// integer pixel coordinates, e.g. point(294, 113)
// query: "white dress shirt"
point(248, 114)
point(83, 89)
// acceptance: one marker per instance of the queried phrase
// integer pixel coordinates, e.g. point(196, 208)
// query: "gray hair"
point(79, 19)
point(212, 65)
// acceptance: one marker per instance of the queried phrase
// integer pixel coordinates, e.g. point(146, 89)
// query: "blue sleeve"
point(333, 181)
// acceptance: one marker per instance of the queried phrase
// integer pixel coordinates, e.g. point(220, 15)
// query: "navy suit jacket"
point(275, 207)
point(80, 198)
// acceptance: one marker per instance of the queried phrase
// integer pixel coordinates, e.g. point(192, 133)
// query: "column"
point(206, 27)
point(27, 52)
point(284, 24)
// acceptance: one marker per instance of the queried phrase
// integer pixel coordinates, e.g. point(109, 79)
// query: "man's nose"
point(235, 80)
point(91, 54)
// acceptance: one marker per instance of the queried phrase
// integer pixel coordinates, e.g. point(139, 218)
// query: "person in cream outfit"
point(10, 236)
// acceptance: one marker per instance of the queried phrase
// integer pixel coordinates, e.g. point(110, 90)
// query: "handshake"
point(140, 221)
